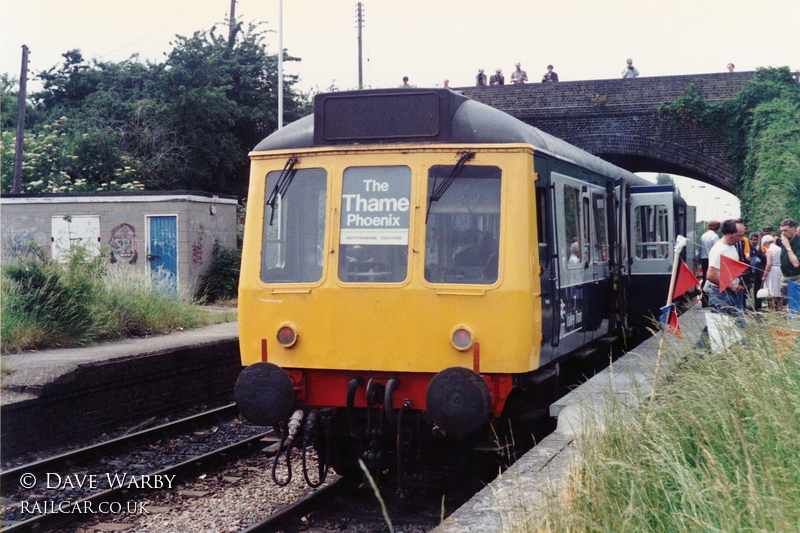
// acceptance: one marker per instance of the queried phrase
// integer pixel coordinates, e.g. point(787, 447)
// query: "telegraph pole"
point(360, 48)
point(20, 145)
point(280, 65)
point(232, 26)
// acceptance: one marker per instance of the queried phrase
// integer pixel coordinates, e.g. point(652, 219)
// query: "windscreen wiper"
point(439, 191)
point(284, 180)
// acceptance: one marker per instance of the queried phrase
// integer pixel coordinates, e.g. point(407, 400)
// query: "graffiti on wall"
point(22, 238)
point(123, 244)
point(197, 247)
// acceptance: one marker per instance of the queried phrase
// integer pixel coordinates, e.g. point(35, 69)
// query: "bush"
point(222, 283)
point(47, 304)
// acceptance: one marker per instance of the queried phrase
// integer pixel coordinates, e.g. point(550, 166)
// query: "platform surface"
point(38, 369)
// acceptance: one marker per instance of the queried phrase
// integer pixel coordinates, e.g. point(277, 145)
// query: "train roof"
point(422, 115)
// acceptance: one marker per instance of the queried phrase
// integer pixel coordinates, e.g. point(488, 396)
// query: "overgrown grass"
point(46, 304)
point(718, 449)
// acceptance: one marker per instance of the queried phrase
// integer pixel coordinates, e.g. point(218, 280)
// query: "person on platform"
point(480, 79)
point(731, 66)
point(790, 254)
point(707, 241)
point(758, 262)
point(771, 278)
point(549, 76)
point(730, 300)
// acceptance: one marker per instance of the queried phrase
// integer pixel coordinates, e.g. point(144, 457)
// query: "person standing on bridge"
point(519, 75)
point(630, 71)
point(549, 76)
point(480, 79)
point(497, 78)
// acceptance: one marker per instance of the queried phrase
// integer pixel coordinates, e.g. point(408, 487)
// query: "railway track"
point(9, 478)
point(61, 489)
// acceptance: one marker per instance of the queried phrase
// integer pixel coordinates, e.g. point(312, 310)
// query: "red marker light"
point(287, 336)
point(462, 339)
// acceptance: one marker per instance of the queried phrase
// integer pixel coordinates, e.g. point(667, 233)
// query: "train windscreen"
point(463, 228)
point(294, 226)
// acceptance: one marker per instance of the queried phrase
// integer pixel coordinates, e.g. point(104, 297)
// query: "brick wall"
point(102, 396)
point(616, 120)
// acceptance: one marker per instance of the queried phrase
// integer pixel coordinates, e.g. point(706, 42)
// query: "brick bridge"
point(616, 120)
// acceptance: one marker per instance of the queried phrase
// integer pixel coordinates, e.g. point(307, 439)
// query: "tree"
point(222, 101)
point(185, 123)
point(666, 179)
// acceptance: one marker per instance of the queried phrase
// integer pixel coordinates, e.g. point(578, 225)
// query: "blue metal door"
point(163, 256)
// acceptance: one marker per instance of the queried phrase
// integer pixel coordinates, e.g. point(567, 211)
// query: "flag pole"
point(680, 244)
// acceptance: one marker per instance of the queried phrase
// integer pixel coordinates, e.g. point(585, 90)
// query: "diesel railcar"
point(416, 265)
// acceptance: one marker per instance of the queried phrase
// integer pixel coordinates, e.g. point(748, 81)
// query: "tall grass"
point(718, 449)
point(46, 304)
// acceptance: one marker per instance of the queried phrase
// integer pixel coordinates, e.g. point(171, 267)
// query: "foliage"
point(718, 450)
point(42, 299)
point(666, 179)
point(762, 125)
point(46, 304)
point(185, 123)
point(51, 157)
point(770, 183)
point(222, 283)
point(10, 101)
point(688, 110)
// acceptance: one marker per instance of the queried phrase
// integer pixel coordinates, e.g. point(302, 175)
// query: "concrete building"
point(168, 234)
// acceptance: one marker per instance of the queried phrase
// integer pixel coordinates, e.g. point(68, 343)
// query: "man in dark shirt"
point(549, 76)
point(790, 253)
point(497, 78)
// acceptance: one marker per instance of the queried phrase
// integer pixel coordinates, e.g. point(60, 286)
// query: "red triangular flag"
point(685, 281)
point(674, 327)
point(729, 270)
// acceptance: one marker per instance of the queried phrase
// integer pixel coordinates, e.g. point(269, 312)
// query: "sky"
point(426, 40)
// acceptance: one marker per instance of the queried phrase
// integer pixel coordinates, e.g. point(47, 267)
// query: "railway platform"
point(543, 471)
point(57, 397)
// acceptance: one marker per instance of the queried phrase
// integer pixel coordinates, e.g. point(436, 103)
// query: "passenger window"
point(601, 229)
point(294, 227)
point(541, 225)
point(373, 235)
point(651, 232)
point(587, 230)
point(463, 228)
point(571, 222)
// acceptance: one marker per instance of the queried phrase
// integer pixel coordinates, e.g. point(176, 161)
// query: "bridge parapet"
point(616, 119)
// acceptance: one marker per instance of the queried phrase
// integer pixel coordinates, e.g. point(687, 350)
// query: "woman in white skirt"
point(772, 272)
